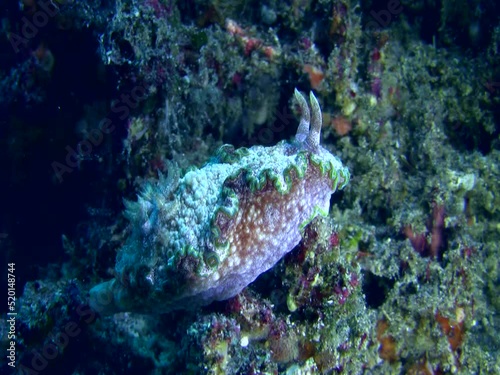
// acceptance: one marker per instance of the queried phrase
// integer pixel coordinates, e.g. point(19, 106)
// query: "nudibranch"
point(207, 235)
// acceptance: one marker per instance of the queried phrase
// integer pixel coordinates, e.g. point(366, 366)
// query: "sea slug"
point(207, 235)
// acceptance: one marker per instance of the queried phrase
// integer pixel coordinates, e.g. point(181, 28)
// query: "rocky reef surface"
point(100, 100)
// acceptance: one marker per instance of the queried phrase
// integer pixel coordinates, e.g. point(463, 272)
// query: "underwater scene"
point(250, 187)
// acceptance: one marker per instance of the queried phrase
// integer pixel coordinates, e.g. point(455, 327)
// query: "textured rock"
point(207, 235)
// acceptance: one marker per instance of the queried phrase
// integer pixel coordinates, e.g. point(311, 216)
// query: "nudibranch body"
point(206, 236)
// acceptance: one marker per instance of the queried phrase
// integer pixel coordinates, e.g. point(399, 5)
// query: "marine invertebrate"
point(207, 235)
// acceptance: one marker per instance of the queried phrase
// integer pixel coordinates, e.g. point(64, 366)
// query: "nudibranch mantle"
point(206, 236)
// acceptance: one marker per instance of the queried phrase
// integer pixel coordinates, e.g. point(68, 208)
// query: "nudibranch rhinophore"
point(206, 236)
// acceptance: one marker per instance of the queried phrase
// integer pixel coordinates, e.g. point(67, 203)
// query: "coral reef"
point(403, 274)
